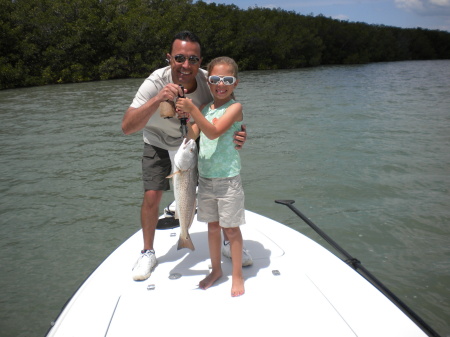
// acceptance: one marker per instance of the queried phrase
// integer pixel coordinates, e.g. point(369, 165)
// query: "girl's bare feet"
point(237, 288)
point(209, 280)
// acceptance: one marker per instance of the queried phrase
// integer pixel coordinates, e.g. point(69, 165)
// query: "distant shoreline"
point(99, 40)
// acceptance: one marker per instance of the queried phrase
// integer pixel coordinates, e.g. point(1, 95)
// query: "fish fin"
point(170, 176)
point(185, 243)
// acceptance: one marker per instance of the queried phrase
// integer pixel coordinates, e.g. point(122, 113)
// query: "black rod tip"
point(285, 202)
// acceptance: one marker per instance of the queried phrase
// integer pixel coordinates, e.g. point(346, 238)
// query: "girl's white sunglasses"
point(227, 80)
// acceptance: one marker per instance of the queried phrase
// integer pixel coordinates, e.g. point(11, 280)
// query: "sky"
point(427, 14)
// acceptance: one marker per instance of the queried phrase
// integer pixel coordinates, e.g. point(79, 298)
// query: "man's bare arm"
point(135, 119)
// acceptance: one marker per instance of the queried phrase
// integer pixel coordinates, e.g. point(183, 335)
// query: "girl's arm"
point(193, 131)
point(219, 126)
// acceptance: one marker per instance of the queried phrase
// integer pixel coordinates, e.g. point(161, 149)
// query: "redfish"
point(185, 178)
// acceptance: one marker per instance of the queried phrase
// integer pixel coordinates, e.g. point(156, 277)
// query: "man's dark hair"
point(186, 35)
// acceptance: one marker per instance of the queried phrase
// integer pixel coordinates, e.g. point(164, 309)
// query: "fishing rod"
point(357, 266)
point(183, 121)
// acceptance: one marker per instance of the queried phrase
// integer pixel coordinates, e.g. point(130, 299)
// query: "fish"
point(185, 178)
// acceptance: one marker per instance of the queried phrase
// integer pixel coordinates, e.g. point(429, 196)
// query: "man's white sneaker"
point(246, 257)
point(144, 265)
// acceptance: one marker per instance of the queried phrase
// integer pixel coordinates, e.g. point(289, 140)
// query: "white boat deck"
point(295, 287)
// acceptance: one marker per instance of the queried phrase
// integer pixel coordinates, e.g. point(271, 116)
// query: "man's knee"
point(152, 198)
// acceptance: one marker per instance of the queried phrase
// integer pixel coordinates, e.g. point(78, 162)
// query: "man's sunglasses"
point(180, 58)
point(227, 80)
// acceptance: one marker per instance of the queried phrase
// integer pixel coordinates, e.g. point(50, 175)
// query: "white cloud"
point(425, 7)
point(341, 17)
point(441, 2)
point(414, 5)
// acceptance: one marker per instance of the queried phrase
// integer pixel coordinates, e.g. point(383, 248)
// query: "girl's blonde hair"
point(224, 60)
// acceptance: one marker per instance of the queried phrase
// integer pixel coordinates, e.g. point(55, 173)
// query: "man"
point(162, 135)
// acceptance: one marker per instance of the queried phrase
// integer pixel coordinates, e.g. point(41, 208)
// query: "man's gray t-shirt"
point(165, 132)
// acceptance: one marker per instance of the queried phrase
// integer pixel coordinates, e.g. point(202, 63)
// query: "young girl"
point(220, 192)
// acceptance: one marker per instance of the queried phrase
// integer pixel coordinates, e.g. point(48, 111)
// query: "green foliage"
point(64, 41)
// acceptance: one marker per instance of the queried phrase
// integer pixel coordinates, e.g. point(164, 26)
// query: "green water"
point(364, 151)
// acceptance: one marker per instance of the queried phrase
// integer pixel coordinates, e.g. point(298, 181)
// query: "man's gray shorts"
point(156, 166)
point(221, 199)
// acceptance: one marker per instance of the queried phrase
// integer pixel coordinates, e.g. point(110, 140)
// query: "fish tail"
point(185, 242)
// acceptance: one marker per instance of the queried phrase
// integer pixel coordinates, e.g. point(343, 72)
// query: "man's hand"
point(240, 137)
point(169, 92)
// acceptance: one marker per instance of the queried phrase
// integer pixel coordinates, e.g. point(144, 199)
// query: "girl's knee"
point(213, 226)
point(232, 232)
